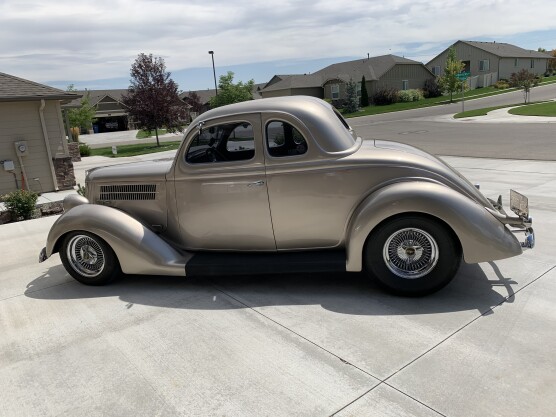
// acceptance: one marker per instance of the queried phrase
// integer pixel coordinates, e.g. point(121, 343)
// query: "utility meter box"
point(8, 165)
point(21, 148)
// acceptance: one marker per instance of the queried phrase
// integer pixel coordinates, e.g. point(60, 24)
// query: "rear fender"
point(139, 250)
point(482, 237)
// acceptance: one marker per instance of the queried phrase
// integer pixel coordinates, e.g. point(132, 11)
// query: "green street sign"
point(463, 75)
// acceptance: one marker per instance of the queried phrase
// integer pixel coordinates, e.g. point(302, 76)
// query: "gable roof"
point(506, 50)
point(372, 68)
point(95, 96)
point(17, 89)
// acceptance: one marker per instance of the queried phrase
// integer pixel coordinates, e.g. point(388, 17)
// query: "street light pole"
point(214, 71)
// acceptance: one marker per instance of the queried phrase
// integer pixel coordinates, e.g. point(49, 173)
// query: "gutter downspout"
point(47, 143)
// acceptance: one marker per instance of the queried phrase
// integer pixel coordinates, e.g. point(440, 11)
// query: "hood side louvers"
point(128, 192)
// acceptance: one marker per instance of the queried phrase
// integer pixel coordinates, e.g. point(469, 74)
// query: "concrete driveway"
point(303, 345)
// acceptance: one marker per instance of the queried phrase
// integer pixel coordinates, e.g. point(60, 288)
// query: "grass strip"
point(134, 150)
point(541, 109)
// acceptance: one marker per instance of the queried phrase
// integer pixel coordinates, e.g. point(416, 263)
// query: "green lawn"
point(542, 109)
point(133, 150)
point(480, 112)
point(142, 134)
point(428, 102)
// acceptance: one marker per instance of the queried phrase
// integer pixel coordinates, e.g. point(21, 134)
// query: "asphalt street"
point(282, 345)
point(428, 130)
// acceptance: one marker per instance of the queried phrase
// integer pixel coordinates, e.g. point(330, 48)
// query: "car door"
point(220, 187)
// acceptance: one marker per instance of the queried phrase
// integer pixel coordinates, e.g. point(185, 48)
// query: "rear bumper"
point(43, 256)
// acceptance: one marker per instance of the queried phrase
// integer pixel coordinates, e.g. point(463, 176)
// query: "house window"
point(335, 89)
point(405, 84)
point(516, 62)
point(532, 63)
point(484, 65)
point(359, 89)
point(436, 70)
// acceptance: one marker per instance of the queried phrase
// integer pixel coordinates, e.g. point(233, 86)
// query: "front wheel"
point(412, 255)
point(89, 259)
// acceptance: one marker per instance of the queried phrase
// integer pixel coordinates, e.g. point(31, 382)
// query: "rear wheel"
point(412, 255)
point(89, 259)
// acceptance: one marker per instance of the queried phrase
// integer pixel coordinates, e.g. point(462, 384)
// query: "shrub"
point(431, 88)
point(501, 84)
point(21, 204)
point(84, 149)
point(410, 95)
point(385, 96)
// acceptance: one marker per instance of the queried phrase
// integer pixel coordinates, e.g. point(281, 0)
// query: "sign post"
point(462, 76)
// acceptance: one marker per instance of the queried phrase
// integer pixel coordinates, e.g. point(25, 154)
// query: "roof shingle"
point(17, 89)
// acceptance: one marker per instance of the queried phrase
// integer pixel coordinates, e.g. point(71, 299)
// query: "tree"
point(229, 93)
point(524, 80)
point(194, 101)
point(364, 93)
point(351, 97)
point(448, 81)
point(152, 97)
point(552, 61)
point(83, 116)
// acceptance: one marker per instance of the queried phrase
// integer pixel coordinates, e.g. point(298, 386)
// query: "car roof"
point(317, 115)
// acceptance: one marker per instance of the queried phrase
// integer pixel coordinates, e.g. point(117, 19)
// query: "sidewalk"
point(494, 116)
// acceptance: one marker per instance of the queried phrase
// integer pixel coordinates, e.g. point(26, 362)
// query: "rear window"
point(344, 121)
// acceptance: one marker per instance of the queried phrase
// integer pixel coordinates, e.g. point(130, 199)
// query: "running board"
point(216, 264)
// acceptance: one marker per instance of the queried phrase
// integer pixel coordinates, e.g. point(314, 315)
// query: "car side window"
point(283, 139)
point(221, 143)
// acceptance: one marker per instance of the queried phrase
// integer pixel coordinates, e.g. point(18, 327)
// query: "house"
point(489, 62)
point(386, 71)
point(205, 96)
point(111, 114)
point(34, 151)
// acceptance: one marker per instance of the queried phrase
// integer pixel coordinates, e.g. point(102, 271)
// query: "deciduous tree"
point(152, 97)
point(448, 81)
point(83, 116)
point(230, 92)
point(524, 80)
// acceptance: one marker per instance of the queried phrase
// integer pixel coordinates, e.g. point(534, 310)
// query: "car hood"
point(134, 171)
point(431, 163)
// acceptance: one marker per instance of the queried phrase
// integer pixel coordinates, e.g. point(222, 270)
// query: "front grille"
point(128, 192)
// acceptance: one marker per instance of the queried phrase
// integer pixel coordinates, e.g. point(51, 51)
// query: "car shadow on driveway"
point(345, 293)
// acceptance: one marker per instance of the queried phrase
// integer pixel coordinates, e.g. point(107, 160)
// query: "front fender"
point(139, 250)
point(482, 237)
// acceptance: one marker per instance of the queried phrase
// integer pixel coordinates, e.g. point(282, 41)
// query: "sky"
point(92, 44)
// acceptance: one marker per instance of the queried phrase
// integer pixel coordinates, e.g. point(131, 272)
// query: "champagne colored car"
point(285, 185)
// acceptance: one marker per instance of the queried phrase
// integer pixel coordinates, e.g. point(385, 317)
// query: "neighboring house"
point(34, 151)
point(206, 95)
point(111, 114)
point(387, 71)
point(489, 62)
point(204, 98)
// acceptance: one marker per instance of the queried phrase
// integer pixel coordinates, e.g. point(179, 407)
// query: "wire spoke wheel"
point(410, 253)
point(85, 256)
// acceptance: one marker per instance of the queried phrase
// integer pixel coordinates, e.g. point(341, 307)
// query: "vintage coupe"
point(284, 185)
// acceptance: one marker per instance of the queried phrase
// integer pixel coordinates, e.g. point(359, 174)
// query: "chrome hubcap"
point(85, 256)
point(410, 253)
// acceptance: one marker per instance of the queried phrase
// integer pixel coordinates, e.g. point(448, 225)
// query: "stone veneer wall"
point(65, 176)
point(73, 148)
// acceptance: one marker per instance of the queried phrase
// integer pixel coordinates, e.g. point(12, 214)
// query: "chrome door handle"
point(256, 184)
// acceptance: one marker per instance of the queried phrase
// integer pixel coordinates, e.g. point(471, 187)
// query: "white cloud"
point(79, 40)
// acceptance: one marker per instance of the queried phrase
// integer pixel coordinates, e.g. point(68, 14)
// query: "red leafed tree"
point(152, 97)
